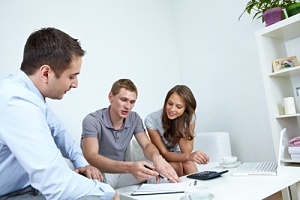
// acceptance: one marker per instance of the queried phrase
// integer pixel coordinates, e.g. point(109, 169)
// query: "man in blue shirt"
point(33, 141)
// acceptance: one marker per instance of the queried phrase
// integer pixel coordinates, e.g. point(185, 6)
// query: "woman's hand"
point(198, 157)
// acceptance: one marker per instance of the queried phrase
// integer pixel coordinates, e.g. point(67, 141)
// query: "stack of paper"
point(163, 188)
point(295, 153)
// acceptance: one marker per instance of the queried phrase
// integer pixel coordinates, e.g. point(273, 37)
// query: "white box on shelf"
point(295, 155)
point(295, 159)
point(295, 149)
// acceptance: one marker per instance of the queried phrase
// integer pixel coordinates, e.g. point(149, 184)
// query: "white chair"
point(215, 144)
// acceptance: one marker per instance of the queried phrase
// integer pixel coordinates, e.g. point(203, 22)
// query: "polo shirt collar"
point(107, 121)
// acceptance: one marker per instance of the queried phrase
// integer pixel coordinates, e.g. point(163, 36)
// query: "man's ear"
point(110, 97)
point(44, 72)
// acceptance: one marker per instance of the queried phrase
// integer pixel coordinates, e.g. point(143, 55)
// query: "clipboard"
point(162, 188)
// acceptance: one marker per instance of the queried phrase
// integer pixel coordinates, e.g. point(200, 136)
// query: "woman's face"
point(175, 106)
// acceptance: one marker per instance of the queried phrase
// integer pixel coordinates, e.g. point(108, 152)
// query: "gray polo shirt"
point(153, 121)
point(112, 143)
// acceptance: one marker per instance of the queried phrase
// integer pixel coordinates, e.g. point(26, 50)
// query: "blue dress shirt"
point(33, 143)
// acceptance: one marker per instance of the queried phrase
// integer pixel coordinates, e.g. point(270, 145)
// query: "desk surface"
point(231, 187)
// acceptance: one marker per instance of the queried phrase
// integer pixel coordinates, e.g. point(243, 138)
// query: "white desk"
point(229, 187)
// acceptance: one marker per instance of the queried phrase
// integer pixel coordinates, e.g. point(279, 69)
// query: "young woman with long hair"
point(171, 130)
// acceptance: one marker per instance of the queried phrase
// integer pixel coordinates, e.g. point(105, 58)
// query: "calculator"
point(206, 175)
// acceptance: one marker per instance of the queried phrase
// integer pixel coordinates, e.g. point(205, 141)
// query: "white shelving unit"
point(278, 41)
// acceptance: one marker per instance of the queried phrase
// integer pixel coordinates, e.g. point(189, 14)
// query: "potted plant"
point(270, 11)
point(292, 8)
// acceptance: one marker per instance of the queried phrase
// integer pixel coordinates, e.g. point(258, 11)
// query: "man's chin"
point(56, 97)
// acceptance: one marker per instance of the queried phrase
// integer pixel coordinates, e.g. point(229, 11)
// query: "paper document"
point(162, 188)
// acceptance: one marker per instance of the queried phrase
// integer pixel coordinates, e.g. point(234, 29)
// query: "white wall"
point(157, 44)
point(219, 60)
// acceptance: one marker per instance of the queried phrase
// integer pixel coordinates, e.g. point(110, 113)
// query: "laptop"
point(262, 168)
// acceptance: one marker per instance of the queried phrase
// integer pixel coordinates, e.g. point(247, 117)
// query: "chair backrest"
point(134, 152)
point(214, 144)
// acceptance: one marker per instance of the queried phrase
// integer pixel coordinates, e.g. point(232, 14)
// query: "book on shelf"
point(294, 149)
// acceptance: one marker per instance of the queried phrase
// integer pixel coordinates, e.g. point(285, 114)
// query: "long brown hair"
point(180, 127)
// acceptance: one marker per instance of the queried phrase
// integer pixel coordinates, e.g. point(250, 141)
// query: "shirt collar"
point(29, 84)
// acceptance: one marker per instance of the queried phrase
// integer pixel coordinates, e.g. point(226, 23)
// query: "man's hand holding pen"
point(159, 175)
point(165, 169)
point(138, 170)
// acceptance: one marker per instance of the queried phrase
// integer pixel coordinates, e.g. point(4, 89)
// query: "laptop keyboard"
point(265, 167)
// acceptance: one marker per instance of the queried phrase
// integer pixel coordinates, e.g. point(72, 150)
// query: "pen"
point(159, 175)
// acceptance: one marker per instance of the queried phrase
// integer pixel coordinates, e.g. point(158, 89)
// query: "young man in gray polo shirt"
point(107, 133)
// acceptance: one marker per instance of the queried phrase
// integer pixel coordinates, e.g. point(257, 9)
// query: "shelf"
point(289, 160)
point(294, 71)
point(279, 40)
point(285, 30)
point(287, 116)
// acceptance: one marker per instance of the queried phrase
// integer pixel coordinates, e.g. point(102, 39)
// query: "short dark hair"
point(50, 46)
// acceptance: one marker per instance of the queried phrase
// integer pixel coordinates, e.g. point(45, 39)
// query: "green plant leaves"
point(259, 6)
